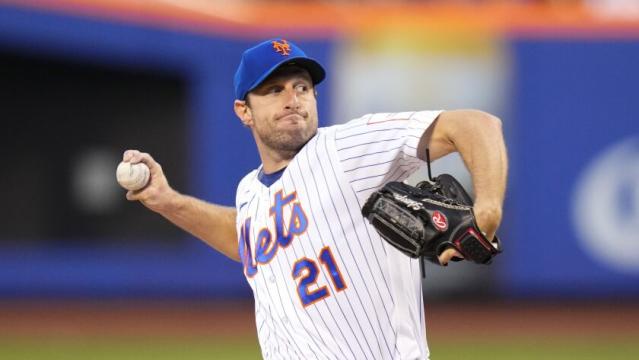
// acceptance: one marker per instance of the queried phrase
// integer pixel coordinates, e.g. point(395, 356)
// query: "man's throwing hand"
point(157, 195)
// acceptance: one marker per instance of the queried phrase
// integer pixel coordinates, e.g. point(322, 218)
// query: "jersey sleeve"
point(378, 148)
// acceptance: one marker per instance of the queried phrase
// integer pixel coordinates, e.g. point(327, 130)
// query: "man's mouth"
point(292, 117)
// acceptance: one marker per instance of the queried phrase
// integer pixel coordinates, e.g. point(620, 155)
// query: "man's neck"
point(273, 161)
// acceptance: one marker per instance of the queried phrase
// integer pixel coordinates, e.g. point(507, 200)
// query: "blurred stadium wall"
point(81, 81)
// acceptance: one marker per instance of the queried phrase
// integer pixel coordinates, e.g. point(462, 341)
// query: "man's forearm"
point(214, 224)
point(482, 148)
point(478, 137)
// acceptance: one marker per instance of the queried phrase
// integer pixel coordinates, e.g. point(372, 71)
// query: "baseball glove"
point(424, 220)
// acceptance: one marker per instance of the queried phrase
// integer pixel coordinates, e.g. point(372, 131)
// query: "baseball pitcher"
point(329, 238)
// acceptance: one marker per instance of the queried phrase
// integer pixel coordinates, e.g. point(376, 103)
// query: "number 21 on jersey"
point(307, 271)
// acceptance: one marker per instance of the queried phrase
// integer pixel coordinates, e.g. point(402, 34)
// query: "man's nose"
point(292, 99)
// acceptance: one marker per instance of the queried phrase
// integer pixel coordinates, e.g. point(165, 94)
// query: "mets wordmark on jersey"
point(325, 285)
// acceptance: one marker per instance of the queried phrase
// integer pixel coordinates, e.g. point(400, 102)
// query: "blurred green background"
point(226, 330)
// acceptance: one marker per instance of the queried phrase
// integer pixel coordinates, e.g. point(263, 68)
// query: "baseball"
point(132, 176)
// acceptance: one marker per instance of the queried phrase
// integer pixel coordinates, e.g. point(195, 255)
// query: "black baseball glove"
point(424, 220)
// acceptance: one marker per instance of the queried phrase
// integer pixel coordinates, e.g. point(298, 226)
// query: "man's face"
point(282, 111)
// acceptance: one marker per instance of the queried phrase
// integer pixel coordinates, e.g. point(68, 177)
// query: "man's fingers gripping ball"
point(133, 176)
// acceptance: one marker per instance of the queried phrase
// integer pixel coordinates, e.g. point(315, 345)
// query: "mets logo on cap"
point(282, 47)
point(439, 221)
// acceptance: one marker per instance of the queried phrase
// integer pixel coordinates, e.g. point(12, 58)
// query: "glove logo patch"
point(439, 221)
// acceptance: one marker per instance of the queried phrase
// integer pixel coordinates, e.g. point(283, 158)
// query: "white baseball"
point(132, 176)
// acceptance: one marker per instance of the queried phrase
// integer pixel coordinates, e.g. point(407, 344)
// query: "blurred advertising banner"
point(574, 193)
point(84, 80)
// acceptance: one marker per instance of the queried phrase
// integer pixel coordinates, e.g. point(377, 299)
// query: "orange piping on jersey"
point(339, 272)
point(312, 292)
point(261, 249)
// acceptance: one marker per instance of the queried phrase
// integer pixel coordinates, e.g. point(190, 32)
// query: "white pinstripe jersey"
point(326, 286)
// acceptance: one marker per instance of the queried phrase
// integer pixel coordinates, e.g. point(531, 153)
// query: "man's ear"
point(243, 112)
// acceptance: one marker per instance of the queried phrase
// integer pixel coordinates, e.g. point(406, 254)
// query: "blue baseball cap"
point(261, 60)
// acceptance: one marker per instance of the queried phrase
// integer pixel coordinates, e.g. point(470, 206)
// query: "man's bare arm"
point(213, 224)
point(478, 137)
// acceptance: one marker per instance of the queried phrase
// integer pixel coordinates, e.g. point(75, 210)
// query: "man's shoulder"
point(354, 121)
point(385, 117)
point(247, 181)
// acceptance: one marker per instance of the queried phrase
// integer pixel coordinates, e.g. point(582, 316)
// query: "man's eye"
point(302, 88)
